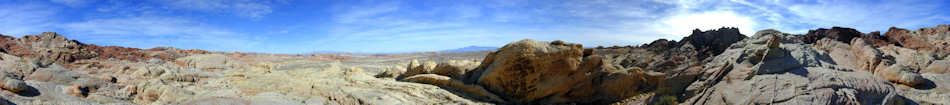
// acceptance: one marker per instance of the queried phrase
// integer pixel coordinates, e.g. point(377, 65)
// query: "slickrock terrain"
point(721, 66)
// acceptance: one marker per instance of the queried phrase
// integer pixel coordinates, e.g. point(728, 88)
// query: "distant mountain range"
point(469, 49)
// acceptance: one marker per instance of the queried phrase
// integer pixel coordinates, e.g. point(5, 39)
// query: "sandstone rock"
point(454, 69)
point(867, 56)
point(58, 76)
point(208, 62)
point(153, 92)
point(52, 47)
point(905, 38)
point(416, 68)
point(938, 67)
point(12, 84)
point(731, 80)
point(19, 67)
point(151, 71)
point(391, 72)
point(528, 70)
point(448, 82)
point(901, 74)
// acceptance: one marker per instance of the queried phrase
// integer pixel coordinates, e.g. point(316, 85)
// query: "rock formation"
point(51, 47)
point(775, 68)
point(824, 66)
point(528, 71)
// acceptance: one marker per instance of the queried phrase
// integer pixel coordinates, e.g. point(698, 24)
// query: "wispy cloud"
point(254, 9)
point(29, 18)
point(870, 15)
point(74, 3)
point(147, 32)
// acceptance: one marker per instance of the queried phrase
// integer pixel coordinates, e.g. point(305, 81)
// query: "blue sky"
point(395, 26)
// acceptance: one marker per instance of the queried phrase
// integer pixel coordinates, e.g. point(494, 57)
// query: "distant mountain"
point(470, 48)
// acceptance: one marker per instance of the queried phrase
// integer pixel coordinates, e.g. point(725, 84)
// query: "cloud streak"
point(147, 32)
point(19, 19)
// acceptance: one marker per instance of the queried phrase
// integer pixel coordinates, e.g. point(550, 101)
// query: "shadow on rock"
point(926, 85)
point(29, 92)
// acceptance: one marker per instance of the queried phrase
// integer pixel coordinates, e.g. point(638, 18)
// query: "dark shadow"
point(926, 85)
point(465, 95)
point(908, 101)
point(799, 71)
point(6, 102)
point(29, 92)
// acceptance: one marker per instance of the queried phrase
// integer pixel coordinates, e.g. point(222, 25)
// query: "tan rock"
point(448, 82)
point(817, 80)
point(208, 62)
point(901, 74)
point(416, 68)
point(938, 67)
point(391, 72)
point(528, 70)
point(454, 69)
point(12, 84)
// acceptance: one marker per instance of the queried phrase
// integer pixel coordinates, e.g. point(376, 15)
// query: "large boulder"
point(9, 83)
point(528, 70)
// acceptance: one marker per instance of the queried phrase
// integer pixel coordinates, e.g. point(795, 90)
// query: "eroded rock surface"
point(798, 74)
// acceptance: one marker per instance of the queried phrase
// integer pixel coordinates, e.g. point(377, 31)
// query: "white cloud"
point(20, 19)
point(73, 3)
point(147, 32)
point(869, 16)
point(253, 9)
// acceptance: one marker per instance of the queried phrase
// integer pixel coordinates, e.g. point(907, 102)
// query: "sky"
point(399, 26)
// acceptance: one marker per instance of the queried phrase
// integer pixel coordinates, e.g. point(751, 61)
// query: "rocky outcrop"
point(208, 62)
point(712, 42)
point(529, 71)
point(50, 47)
point(775, 68)
point(835, 33)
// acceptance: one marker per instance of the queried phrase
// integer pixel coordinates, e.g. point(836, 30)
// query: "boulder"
point(901, 74)
point(416, 68)
point(454, 69)
point(528, 70)
point(85, 86)
point(866, 55)
point(12, 84)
